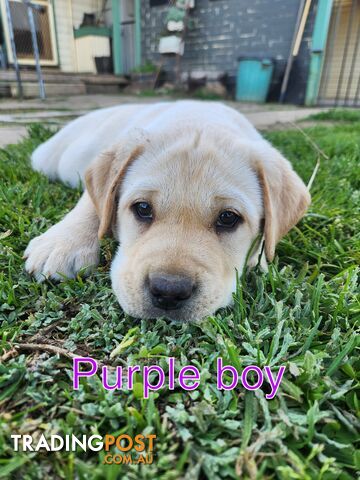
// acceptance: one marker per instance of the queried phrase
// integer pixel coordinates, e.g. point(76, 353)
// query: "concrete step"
point(104, 83)
point(64, 77)
point(104, 79)
point(61, 83)
point(31, 76)
point(31, 90)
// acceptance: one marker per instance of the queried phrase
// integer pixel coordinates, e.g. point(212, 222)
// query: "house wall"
point(69, 15)
point(227, 29)
point(65, 36)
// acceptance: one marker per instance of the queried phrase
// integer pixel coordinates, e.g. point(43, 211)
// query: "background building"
point(91, 36)
point(224, 30)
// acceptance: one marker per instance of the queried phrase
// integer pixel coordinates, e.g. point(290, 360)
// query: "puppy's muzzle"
point(170, 292)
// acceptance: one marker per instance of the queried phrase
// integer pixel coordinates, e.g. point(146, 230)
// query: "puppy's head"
point(186, 209)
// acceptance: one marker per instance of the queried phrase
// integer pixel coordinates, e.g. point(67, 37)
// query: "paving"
point(55, 112)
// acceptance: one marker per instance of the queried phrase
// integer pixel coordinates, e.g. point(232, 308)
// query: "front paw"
point(57, 255)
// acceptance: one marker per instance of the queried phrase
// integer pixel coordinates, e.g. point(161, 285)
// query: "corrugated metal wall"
point(340, 83)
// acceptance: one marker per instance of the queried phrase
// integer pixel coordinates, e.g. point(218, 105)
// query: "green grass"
point(337, 115)
point(176, 93)
point(304, 314)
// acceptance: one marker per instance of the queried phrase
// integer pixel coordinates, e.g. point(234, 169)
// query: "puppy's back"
point(67, 155)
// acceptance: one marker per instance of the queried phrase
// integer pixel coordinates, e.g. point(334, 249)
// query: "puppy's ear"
point(103, 179)
point(285, 197)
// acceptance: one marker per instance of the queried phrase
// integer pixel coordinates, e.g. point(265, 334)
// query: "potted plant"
point(146, 76)
point(172, 39)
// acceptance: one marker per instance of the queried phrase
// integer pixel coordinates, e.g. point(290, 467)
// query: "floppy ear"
point(103, 179)
point(285, 196)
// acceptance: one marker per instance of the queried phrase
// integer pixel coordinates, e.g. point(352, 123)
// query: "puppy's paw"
point(56, 255)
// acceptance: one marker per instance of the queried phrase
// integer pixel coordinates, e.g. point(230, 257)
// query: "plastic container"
point(253, 79)
point(104, 64)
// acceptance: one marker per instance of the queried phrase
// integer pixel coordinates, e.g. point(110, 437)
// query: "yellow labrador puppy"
point(185, 187)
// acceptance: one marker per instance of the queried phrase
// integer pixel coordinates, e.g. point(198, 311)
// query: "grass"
point(337, 115)
point(304, 314)
point(177, 93)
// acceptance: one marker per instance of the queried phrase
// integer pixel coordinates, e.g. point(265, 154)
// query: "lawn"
point(303, 313)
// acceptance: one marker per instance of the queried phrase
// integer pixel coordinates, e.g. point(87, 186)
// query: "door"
point(340, 81)
point(127, 15)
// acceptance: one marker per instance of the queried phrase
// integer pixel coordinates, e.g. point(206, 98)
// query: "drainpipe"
point(320, 33)
point(137, 33)
point(116, 37)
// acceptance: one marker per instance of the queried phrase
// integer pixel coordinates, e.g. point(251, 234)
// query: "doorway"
point(127, 15)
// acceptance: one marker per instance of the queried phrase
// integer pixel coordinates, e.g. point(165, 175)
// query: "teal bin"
point(253, 79)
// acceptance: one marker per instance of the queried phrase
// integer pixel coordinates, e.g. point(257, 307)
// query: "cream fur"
point(190, 160)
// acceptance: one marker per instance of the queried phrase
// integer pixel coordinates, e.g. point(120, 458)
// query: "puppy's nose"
point(169, 292)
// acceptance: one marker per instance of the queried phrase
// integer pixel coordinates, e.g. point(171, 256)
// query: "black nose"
point(169, 292)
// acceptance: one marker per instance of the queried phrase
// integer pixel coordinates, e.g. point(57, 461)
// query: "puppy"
point(185, 187)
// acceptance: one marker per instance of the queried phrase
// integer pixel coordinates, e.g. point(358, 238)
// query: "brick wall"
point(227, 29)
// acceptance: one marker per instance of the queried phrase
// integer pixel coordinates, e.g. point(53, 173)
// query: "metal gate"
point(340, 81)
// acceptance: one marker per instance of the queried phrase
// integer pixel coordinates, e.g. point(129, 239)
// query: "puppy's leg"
point(68, 246)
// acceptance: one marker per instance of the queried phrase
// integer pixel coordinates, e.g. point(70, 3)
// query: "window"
point(43, 20)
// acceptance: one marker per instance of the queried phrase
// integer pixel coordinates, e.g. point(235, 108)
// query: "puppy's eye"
point(228, 220)
point(143, 211)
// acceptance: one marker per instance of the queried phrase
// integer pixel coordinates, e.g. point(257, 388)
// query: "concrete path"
point(9, 135)
point(15, 115)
